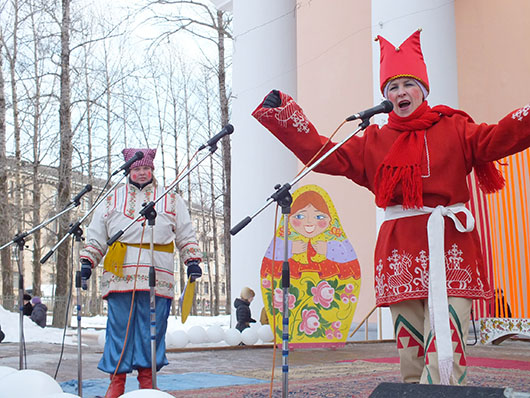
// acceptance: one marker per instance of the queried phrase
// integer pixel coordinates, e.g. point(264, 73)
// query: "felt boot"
point(117, 386)
point(145, 378)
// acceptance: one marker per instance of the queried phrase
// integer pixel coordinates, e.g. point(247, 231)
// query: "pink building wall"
point(493, 54)
point(334, 47)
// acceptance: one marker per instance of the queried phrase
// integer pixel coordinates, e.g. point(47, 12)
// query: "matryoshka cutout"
point(325, 273)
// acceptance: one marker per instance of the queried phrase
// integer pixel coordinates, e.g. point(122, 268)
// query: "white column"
point(396, 21)
point(264, 59)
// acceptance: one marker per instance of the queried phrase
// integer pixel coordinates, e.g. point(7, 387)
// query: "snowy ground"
point(205, 331)
point(9, 322)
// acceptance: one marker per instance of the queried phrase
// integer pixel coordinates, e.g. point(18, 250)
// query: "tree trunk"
point(215, 287)
point(227, 158)
point(108, 115)
point(183, 277)
point(37, 252)
point(162, 155)
point(36, 202)
point(5, 212)
point(205, 241)
point(17, 214)
point(175, 136)
point(65, 171)
point(93, 307)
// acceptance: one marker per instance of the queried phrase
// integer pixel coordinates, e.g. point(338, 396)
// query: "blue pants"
point(137, 352)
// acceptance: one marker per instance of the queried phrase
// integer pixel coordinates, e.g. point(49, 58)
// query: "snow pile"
point(15, 384)
point(9, 322)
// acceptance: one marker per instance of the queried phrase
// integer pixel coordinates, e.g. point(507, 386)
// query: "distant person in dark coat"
point(38, 315)
point(28, 308)
point(242, 305)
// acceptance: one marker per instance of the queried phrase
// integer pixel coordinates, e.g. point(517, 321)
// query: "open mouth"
point(404, 104)
point(309, 228)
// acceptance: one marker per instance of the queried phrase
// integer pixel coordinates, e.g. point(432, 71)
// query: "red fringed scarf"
point(403, 161)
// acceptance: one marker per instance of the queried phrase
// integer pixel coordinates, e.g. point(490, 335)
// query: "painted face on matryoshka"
point(141, 174)
point(309, 221)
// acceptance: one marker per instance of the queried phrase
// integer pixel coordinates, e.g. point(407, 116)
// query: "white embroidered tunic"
point(172, 224)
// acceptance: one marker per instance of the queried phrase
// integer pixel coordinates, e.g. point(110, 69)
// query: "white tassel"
point(445, 369)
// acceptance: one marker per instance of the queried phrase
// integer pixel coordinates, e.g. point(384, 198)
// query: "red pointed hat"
point(147, 160)
point(403, 61)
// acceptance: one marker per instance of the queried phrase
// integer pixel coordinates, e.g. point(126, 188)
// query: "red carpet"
point(359, 379)
point(471, 361)
point(355, 385)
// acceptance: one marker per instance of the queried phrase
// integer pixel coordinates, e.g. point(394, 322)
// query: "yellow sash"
point(116, 255)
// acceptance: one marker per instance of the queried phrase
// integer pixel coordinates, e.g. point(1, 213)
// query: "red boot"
point(117, 386)
point(145, 378)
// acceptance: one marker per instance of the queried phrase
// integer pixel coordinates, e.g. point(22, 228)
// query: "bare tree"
point(36, 201)
point(204, 235)
point(227, 154)
point(161, 102)
point(101, 98)
point(202, 25)
point(37, 76)
point(175, 114)
point(213, 214)
point(93, 308)
point(65, 168)
point(5, 211)
point(213, 258)
point(108, 112)
point(11, 54)
point(186, 104)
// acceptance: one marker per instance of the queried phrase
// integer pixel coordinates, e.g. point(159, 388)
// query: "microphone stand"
point(149, 213)
point(284, 199)
point(20, 241)
point(77, 232)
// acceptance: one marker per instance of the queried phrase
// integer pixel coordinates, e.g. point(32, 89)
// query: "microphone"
point(137, 156)
point(228, 129)
point(384, 107)
point(86, 189)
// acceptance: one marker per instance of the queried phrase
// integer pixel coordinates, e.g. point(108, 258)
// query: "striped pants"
point(417, 346)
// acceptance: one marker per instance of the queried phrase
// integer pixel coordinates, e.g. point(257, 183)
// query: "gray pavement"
point(225, 360)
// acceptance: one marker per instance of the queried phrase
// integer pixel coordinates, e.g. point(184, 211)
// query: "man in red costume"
point(428, 262)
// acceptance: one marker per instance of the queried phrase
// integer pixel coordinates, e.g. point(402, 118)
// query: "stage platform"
point(353, 370)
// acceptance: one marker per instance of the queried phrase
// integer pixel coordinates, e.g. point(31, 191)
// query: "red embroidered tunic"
point(452, 147)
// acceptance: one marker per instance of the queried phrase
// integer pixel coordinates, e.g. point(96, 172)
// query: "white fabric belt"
point(438, 304)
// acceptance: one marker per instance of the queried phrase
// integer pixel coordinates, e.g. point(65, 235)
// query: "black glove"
point(86, 272)
point(193, 271)
point(273, 100)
